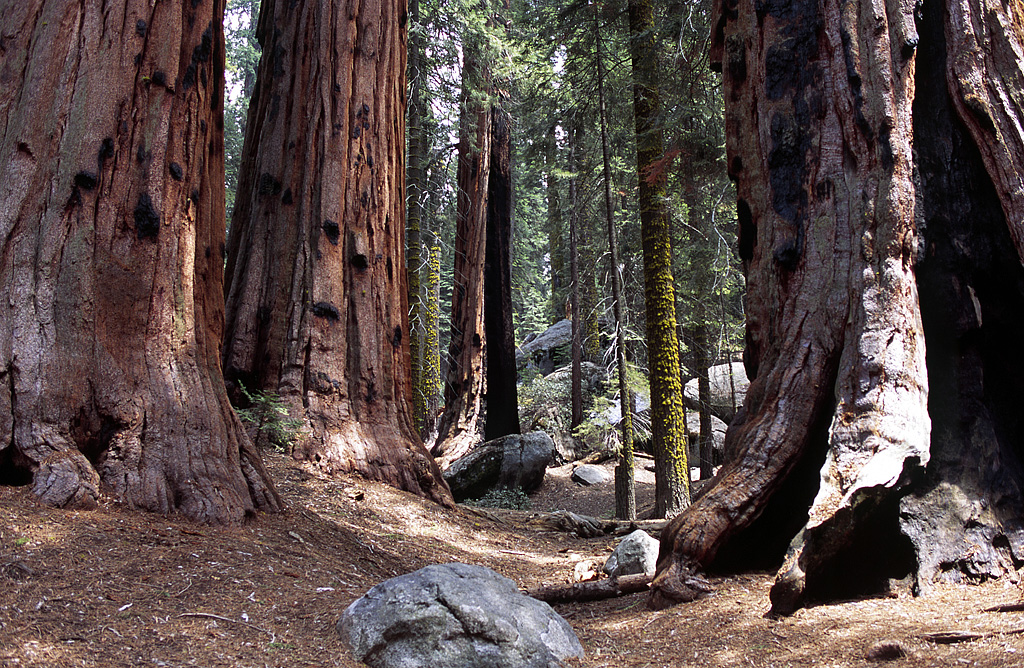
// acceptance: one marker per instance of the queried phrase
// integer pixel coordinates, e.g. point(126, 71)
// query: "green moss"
point(432, 352)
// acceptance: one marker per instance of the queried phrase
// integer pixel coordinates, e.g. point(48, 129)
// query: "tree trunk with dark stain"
point(317, 309)
point(500, 344)
point(111, 220)
point(462, 423)
point(480, 393)
point(858, 261)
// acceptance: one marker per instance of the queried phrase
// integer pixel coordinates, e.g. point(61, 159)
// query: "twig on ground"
point(208, 615)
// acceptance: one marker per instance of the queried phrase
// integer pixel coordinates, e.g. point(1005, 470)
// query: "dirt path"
point(117, 588)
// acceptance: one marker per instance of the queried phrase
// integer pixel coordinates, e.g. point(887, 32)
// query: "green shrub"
point(268, 413)
point(503, 497)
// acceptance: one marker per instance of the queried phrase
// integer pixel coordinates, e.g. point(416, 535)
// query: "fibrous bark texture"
point(819, 140)
point(111, 224)
point(965, 518)
point(875, 158)
point(462, 423)
point(317, 308)
point(480, 394)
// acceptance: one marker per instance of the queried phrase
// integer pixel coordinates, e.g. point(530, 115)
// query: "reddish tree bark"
point(480, 393)
point(500, 341)
point(111, 220)
point(317, 308)
point(461, 425)
point(830, 109)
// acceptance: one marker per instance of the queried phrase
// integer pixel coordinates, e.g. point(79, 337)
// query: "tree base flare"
point(679, 583)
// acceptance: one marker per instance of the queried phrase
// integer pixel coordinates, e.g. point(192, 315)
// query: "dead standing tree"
point(856, 266)
point(112, 229)
point(317, 308)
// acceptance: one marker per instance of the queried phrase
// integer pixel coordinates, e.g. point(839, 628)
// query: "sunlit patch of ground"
point(117, 588)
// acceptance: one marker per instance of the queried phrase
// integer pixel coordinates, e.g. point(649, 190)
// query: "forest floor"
point(111, 587)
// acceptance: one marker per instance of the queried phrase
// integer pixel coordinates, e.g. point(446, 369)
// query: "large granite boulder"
point(548, 350)
point(516, 461)
point(728, 390)
point(636, 553)
point(455, 615)
point(718, 429)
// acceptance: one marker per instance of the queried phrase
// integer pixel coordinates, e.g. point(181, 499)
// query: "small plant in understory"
point(503, 497)
point(268, 414)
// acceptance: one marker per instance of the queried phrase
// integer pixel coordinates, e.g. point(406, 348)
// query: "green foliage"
point(503, 497)
point(268, 413)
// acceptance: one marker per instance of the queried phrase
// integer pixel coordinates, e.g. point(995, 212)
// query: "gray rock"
point(636, 553)
point(718, 429)
point(455, 615)
point(514, 461)
point(588, 475)
point(727, 394)
point(548, 350)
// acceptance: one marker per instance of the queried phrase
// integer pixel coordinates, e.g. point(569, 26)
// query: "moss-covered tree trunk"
point(316, 307)
point(111, 225)
point(858, 262)
point(431, 341)
point(668, 423)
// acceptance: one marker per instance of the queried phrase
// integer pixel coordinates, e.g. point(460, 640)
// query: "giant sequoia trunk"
point(860, 260)
point(461, 425)
point(111, 220)
point(317, 308)
point(499, 334)
point(480, 393)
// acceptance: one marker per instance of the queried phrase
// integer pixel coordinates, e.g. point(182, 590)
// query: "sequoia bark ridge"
point(112, 225)
point(835, 346)
point(317, 307)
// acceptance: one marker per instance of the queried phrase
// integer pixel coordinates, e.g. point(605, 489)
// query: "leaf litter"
point(115, 587)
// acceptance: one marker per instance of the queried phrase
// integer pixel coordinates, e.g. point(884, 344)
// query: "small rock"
point(588, 475)
point(584, 571)
point(636, 553)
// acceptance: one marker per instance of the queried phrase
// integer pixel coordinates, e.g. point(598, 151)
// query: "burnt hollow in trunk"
point(971, 284)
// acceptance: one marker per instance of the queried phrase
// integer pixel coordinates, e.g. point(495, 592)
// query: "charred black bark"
point(501, 394)
point(965, 519)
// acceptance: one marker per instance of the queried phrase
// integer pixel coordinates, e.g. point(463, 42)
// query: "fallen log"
point(594, 590)
point(585, 526)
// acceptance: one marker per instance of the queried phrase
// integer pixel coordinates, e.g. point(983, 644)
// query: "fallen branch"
point(950, 637)
point(593, 591)
point(585, 526)
point(1006, 607)
point(569, 522)
point(208, 615)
